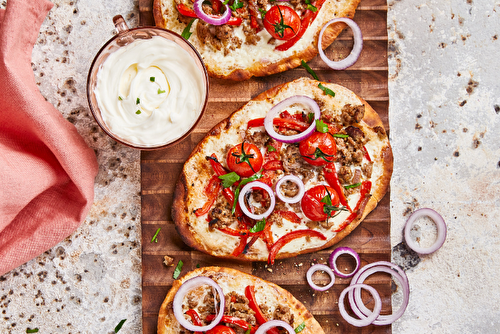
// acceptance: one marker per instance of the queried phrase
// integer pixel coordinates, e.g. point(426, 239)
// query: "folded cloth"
point(47, 171)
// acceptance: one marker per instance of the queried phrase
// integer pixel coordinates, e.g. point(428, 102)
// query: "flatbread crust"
point(197, 171)
point(234, 280)
point(261, 59)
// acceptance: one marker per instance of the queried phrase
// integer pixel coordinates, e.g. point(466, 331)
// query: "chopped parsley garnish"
point(34, 330)
point(310, 6)
point(259, 226)
point(138, 101)
point(321, 126)
point(155, 237)
point(119, 98)
point(119, 326)
point(271, 148)
point(229, 179)
point(138, 112)
point(177, 271)
point(353, 185)
point(310, 117)
point(339, 135)
point(152, 79)
point(300, 327)
point(310, 70)
point(186, 33)
point(160, 91)
point(236, 5)
point(326, 90)
point(262, 12)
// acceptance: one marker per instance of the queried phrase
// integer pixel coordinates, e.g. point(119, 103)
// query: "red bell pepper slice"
point(195, 318)
point(306, 21)
point(216, 5)
point(289, 237)
point(291, 123)
point(333, 181)
point(366, 186)
point(212, 191)
point(186, 11)
point(366, 154)
point(273, 165)
point(289, 215)
point(253, 123)
point(235, 321)
point(235, 232)
point(220, 170)
point(241, 246)
point(252, 302)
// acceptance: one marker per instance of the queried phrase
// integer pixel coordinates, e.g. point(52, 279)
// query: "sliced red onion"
point(316, 268)
point(272, 324)
point(179, 298)
point(356, 49)
point(295, 179)
point(332, 261)
point(211, 19)
point(364, 320)
point(360, 309)
point(248, 187)
point(297, 99)
point(440, 226)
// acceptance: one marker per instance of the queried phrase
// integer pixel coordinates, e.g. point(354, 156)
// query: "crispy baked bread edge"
point(312, 324)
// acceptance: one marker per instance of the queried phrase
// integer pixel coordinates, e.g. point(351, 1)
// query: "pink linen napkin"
point(46, 169)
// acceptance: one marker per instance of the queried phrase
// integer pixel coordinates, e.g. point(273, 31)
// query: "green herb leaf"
point(262, 12)
point(310, 117)
point(34, 330)
point(339, 135)
point(312, 8)
point(300, 327)
point(138, 112)
point(236, 4)
point(152, 79)
point(229, 179)
point(177, 271)
point(138, 101)
point(155, 239)
point(186, 33)
point(249, 330)
point(321, 126)
point(197, 265)
point(160, 91)
point(119, 326)
point(120, 98)
point(242, 183)
point(259, 226)
point(270, 148)
point(327, 90)
point(353, 185)
point(310, 70)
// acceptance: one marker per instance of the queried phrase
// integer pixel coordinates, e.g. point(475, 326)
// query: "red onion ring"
point(316, 268)
point(364, 321)
point(274, 323)
point(295, 179)
point(181, 293)
point(356, 49)
point(299, 99)
point(332, 261)
point(211, 19)
point(247, 188)
point(440, 226)
point(359, 309)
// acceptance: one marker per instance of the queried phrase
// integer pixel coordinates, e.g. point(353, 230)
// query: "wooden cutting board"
point(160, 170)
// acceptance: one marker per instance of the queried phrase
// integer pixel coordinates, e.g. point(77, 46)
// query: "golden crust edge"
point(311, 323)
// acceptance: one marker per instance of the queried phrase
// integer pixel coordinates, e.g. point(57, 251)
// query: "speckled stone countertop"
point(444, 119)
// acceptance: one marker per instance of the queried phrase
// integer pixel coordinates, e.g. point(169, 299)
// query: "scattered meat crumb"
point(168, 261)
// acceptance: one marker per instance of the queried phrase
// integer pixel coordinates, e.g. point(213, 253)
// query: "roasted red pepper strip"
point(235, 321)
point(253, 123)
point(366, 186)
point(273, 165)
point(220, 170)
point(195, 318)
point(241, 246)
point(212, 191)
point(186, 11)
point(216, 5)
point(291, 123)
point(235, 233)
point(306, 21)
point(366, 154)
point(252, 302)
point(289, 237)
point(333, 181)
point(289, 215)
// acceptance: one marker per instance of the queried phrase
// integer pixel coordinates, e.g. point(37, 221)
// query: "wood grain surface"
point(160, 170)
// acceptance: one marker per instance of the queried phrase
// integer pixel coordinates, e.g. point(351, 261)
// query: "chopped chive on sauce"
point(34, 330)
point(138, 112)
point(160, 91)
point(119, 326)
point(138, 101)
point(120, 98)
point(152, 79)
point(353, 185)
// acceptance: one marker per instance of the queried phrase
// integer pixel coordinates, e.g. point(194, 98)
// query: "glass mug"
point(124, 37)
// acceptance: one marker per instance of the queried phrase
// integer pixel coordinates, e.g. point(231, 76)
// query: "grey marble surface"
point(444, 119)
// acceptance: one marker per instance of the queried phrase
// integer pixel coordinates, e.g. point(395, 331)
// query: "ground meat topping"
point(289, 189)
point(258, 138)
point(283, 312)
point(345, 174)
point(367, 169)
point(352, 114)
point(293, 163)
point(220, 215)
point(237, 306)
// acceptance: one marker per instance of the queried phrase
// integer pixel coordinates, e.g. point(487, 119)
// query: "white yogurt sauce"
point(150, 92)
